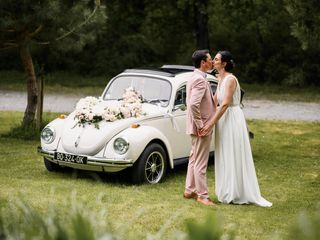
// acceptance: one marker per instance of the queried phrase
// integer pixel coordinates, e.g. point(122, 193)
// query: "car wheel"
point(50, 166)
point(151, 166)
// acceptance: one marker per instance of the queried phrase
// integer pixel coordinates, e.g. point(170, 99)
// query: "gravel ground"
point(253, 109)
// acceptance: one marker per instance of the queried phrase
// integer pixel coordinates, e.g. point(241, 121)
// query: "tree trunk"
point(26, 59)
point(201, 23)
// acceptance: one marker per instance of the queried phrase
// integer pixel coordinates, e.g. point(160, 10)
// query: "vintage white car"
point(107, 138)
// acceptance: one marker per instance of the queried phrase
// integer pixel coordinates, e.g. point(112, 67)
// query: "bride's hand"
point(205, 130)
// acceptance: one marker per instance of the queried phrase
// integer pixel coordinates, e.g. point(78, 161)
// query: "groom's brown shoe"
point(192, 195)
point(205, 201)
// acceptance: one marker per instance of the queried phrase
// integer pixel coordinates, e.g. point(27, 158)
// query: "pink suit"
point(200, 109)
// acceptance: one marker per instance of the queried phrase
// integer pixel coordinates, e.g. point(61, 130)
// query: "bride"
point(235, 176)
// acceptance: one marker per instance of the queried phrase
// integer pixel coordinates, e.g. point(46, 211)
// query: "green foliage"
point(50, 28)
point(210, 229)
point(306, 22)
point(22, 221)
point(122, 44)
point(307, 227)
point(254, 31)
point(67, 24)
point(28, 23)
point(305, 27)
point(272, 42)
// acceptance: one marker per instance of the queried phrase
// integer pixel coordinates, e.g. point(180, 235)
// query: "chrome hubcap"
point(154, 167)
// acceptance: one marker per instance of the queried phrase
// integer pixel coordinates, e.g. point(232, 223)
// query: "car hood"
point(89, 140)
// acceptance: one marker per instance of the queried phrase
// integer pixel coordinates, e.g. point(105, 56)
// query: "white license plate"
point(70, 158)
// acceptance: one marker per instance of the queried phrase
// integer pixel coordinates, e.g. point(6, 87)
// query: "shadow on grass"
point(122, 177)
point(23, 133)
point(30, 131)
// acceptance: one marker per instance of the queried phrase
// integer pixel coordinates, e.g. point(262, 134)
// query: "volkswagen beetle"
point(148, 143)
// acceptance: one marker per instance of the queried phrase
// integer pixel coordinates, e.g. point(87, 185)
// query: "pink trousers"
point(196, 180)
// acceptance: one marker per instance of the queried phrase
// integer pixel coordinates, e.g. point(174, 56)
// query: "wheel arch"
point(150, 135)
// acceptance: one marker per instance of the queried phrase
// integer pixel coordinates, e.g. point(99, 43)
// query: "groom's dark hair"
point(198, 56)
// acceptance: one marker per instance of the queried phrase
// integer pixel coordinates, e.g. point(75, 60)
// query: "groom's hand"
point(205, 130)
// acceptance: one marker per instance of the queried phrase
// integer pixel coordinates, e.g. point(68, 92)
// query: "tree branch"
point(8, 30)
point(10, 44)
point(35, 31)
point(9, 47)
point(97, 2)
point(41, 43)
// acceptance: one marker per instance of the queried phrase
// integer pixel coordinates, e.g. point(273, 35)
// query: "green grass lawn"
point(64, 82)
point(286, 155)
point(281, 93)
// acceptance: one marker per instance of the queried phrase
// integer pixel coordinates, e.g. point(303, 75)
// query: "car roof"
point(176, 74)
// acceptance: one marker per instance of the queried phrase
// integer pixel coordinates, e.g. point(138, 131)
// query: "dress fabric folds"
point(235, 176)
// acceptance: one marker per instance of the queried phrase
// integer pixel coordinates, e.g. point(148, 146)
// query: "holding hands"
point(206, 129)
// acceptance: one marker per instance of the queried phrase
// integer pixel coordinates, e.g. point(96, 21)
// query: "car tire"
point(50, 166)
point(151, 166)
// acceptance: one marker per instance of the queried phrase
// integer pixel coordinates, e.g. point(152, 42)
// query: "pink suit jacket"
point(200, 103)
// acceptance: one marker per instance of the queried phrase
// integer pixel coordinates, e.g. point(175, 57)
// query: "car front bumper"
point(92, 164)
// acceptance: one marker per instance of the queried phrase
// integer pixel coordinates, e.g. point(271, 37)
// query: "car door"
point(180, 141)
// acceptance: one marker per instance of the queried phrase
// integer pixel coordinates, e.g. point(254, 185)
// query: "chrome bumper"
point(93, 163)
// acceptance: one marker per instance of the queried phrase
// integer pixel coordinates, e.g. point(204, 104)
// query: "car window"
point(180, 97)
point(213, 86)
point(153, 90)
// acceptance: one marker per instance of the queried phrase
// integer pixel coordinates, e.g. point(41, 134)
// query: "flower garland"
point(130, 106)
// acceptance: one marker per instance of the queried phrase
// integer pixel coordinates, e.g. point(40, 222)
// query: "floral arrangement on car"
point(129, 106)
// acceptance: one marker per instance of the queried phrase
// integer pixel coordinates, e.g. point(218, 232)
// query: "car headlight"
point(48, 135)
point(120, 145)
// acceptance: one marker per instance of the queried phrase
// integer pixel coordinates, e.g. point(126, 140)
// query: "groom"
point(200, 110)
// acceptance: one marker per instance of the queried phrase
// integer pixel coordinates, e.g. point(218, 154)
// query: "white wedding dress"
point(235, 176)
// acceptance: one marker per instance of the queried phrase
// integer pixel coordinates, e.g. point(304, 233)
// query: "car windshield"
point(153, 90)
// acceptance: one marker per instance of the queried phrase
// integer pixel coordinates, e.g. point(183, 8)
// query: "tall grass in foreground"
point(20, 221)
point(286, 156)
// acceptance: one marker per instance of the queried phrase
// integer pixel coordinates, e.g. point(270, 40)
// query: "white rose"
point(90, 116)
point(125, 112)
